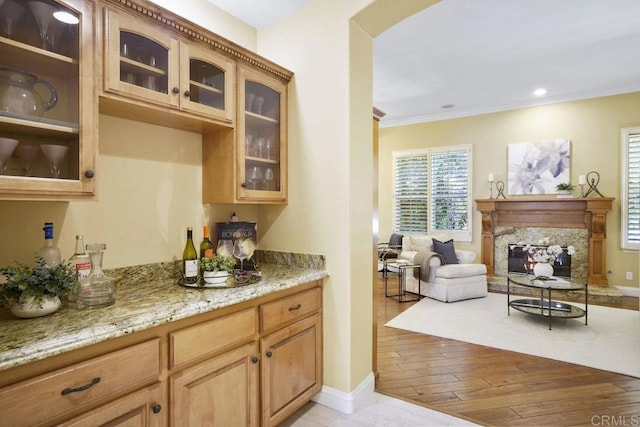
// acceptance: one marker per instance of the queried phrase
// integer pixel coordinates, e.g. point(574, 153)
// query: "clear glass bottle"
point(97, 290)
point(49, 251)
point(82, 263)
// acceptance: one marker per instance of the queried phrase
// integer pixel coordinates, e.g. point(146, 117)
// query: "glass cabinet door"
point(48, 106)
point(141, 61)
point(263, 137)
point(207, 88)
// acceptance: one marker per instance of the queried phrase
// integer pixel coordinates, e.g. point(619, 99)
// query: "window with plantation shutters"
point(631, 188)
point(432, 192)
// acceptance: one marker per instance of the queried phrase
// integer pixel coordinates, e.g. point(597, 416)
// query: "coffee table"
point(401, 269)
point(547, 307)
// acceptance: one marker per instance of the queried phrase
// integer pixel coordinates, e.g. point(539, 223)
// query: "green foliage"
point(565, 186)
point(24, 281)
point(218, 263)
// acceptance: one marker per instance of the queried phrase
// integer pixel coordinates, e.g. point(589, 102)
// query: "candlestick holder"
point(491, 189)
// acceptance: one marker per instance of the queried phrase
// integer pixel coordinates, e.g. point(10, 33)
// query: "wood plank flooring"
point(494, 387)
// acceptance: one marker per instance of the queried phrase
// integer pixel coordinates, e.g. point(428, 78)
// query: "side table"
point(403, 268)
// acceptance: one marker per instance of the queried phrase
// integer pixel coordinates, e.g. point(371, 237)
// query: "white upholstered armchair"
point(443, 281)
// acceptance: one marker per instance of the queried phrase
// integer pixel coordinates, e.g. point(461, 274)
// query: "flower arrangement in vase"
point(217, 269)
point(545, 255)
point(36, 291)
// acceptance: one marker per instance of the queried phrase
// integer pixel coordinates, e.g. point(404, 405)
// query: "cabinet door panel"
point(291, 368)
point(140, 60)
point(222, 391)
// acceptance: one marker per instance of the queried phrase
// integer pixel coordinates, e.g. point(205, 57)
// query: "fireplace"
point(579, 222)
point(519, 260)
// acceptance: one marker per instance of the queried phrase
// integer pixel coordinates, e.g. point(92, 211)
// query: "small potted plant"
point(217, 269)
point(36, 291)
point(565, 189)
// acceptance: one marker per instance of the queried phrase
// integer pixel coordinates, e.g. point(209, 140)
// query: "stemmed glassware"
point(7, 145)
point(259, 103)
point(11, 14)
point(260, 147)
point(255, 176)
point(55, 154)
point(239, 252)
point(225, 248)
point(43, 12)
point(250, 97)
point(268, 178)
point(269, 148)
point(247, 144)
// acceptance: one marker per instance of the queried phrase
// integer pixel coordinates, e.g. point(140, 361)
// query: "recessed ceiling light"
point(66, 17)
point(540, 92)
point(448, 106)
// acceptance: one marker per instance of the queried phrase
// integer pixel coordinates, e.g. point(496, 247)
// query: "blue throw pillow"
point(446, 250)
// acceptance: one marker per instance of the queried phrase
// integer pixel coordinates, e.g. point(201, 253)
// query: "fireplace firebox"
point(520, 261)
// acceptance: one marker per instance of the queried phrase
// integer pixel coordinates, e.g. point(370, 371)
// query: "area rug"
point(610, 341)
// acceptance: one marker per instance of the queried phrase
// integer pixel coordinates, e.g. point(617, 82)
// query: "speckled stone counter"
point(139, 305)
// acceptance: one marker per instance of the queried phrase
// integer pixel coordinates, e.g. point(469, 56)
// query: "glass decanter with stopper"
point(96, 290)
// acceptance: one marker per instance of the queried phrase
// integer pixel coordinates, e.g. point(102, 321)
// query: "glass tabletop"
point(552, 282)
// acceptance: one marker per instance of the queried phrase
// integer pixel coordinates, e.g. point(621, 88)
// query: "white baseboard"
point(629, 291)
point(347, 403)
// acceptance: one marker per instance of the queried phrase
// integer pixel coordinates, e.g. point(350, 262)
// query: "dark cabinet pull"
point(269, 354)
point(243, 185)
point(89, 173)
point(81, 388)
point(295, 307)
point(175, 89)
point(254, 359)
point(156, 408)
point(187, 93)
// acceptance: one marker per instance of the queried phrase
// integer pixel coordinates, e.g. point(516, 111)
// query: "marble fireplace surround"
point(584, 222)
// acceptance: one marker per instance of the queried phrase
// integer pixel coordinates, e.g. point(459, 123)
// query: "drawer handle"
point(156, 408)
point(254, 360)
point(269, 354)
point(81, 388)
point(295, 307)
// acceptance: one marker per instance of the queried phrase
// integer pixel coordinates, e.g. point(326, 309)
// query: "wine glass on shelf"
point(260, 147)
point(225, 248)
point(43, 13)
point(250, 97)
point(269, 147)
point(7, 145)
point(255, 176)
point(55, 154)
point(239, 252)
point(259, 103)
point(27, 154)
point(247, 144)
point(11, 14)
point(268, 178)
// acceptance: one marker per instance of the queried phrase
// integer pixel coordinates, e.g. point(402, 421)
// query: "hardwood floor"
point(495, 387)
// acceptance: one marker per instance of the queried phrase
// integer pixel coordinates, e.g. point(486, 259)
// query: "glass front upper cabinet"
point(262, 129)
point(151, 65)
point(48, 108)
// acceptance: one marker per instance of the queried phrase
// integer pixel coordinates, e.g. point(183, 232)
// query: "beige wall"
point(592, 125)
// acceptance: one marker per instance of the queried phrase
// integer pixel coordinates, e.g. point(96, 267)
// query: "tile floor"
point(379, 411)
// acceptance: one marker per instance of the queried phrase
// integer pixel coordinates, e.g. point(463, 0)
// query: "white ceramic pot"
point(215, 277)
point(543, 269)
point(32, 308)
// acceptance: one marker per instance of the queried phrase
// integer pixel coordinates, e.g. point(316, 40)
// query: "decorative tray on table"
point(238, 279)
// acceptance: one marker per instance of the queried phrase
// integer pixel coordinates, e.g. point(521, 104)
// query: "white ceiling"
point(489, 55)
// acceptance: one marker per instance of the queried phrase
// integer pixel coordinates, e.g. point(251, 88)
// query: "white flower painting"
point(537, 167)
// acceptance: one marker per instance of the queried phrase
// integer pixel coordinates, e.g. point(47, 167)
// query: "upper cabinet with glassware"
point(48, 118)
point(145, 63)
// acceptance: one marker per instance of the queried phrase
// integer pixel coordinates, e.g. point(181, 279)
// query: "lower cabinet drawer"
point(37, 400)
point(285, 310)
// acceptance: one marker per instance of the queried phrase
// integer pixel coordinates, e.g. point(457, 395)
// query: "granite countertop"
point(138, 306)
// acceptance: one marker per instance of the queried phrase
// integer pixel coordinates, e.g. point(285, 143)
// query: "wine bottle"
point(206, 247)
point(49, 252)
point(190, 260)
point(82, 263)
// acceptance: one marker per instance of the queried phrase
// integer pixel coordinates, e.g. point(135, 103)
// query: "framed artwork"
point(537, 167)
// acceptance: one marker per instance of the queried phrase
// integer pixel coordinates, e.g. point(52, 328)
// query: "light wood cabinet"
point(144, 63)
point(250, 164)
point(47, 97)
point(82, 385)
point(222, 391)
